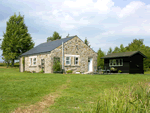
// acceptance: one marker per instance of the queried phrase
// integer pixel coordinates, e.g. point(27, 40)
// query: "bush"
point(119, 71)
point(42, 71)
point(69, 71)
point(113, 69)
point(57, 66)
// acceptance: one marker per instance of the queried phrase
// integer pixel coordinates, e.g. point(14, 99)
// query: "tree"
point(54, 37)
point(137, 45)
point(16, 40)
point(122, 48)
point(109, 51)
point(86, 42)
point(116, 50)
point(100, 62)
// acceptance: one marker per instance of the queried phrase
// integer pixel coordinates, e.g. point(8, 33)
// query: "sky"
point(105, 23)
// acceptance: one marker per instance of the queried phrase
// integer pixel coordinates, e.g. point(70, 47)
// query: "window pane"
point(34, 59)
point(110, 62)
point(67, 58)
point(31, 61)
point(76, 62)
point(34, 63)
point(121, 62)
point(116, 61)
point(67, 62)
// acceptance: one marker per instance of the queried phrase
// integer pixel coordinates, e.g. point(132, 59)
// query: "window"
point(116, 62)
point(121, 62)
point(68, 60)
point(42, 62)
point(32, 61)
point(76, 60)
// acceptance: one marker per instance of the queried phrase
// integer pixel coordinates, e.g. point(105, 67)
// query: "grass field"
point(74, 93)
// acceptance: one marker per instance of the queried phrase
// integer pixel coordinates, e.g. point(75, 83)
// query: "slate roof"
point(47, 47)
point(123, 54)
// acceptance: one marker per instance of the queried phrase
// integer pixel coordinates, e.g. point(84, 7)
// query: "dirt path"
point(46, 101)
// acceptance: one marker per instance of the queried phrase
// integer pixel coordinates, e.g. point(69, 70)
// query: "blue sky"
point(105, 23)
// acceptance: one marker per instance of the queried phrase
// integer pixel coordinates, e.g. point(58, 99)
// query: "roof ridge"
point(63, 38)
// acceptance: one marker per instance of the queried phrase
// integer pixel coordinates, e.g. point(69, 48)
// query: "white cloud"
point(131, 8)
point(69, 16)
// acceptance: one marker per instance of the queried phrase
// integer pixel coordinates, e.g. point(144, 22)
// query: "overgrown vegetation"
point(57, 65)
point(69, 71)
point(124, 99)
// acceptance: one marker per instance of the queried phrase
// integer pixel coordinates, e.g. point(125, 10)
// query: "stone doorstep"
point(77, 72)
point(89, 72)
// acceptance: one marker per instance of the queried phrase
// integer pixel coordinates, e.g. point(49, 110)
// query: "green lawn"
point(82, 94)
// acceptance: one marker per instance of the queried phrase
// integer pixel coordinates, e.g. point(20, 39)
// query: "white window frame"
point(68, 60)
point(75, 60)
point(114, 60)
point(32, 63)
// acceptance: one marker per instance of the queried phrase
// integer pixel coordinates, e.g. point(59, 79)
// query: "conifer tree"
point(16, 39)
point(100, 62)
point(86, 42)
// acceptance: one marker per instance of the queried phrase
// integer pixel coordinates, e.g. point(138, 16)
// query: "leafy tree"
point(54, 37)
point(100, 62)
point(16, 40)
point(137, 45)
point(122, 48)
point(109, 51)
point(116, 50)
point(86, 42)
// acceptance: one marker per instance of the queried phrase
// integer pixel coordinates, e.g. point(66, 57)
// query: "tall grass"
point(126, 99)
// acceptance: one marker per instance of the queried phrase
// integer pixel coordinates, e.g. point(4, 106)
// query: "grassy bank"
point(83, 93)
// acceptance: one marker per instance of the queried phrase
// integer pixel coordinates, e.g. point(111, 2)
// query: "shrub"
point(126, 99)
point(119, 71)
point(69, 71)
point(57, 66)
point(113, 69)
point(42, 71)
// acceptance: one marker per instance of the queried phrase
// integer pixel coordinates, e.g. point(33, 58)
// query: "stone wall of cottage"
point(21, 65)
point(76, 46)
point(47, 68)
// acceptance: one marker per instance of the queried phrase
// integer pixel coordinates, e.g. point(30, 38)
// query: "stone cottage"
point(77, 56)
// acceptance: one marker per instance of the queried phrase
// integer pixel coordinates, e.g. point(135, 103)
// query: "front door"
point(90, 68)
